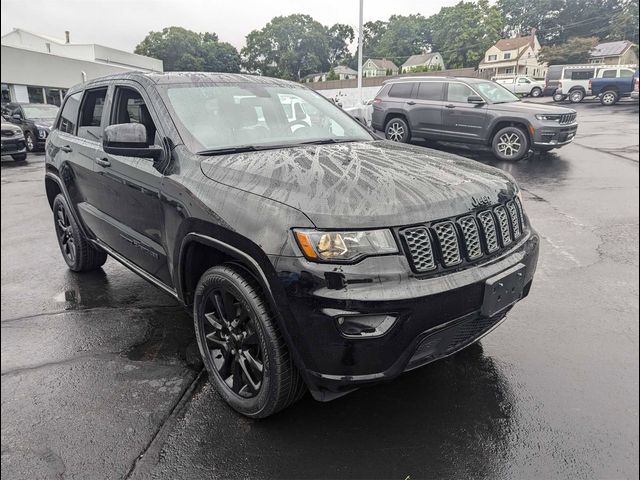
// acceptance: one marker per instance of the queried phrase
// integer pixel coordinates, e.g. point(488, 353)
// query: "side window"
point(69, 115)
point(523, 80)
point(401, 90)
point(582, 74)
point(431, 91)
point(458, 92)
point(626, 73)
point(90, 122)
point(130, 107)
point(609, 74)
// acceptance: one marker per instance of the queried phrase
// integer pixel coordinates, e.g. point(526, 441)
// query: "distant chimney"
point(66, 36)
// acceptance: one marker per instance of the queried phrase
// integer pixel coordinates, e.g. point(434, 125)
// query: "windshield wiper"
point(240, 149)
point(326, 141)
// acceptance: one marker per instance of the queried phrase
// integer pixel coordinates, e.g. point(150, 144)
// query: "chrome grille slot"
point(419, 243)
point(448, 240)
point(489, 229)
point(515, 220)
point(471, 237)
point(503, 225)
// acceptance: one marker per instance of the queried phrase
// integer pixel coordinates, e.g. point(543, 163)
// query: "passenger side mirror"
point(129, 140)
point(477, 99)
point(16, 116)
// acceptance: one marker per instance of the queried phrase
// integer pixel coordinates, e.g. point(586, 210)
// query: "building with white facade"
point(422, 62)
point(514, 56)
point(39, 69)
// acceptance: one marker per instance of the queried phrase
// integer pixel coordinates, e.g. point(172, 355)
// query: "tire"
point(558, 97)
point(233, 349)
point(609, 97)
point(510, 144)
point(80, 255)
point(536, 92)
point(576, 96)
point(19, 157)
point(397, 130)
point(30, 142)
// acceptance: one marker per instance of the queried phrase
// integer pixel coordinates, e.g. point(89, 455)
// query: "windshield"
point(495, 93)
point(223, 117)
point(40, 111)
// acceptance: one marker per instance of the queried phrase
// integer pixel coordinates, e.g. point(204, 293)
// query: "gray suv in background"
point(472, 111)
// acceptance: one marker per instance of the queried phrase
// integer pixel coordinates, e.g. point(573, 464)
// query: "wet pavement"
point(101, 376)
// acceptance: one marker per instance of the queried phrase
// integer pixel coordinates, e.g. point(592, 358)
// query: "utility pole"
point(360, 41)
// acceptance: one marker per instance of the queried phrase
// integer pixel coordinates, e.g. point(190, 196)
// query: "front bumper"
point(554, 135)
point(434, 317)
point(635, 95)
point(13, 146)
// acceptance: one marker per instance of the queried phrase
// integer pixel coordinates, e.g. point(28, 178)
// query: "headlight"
point(551, 117)
point(42, 132)
point(345, 246)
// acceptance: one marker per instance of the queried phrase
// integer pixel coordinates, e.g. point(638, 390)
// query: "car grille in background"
point(448, 243)
point(8, 133)
point(566, 118)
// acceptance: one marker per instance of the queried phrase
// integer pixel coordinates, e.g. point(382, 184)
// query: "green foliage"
point(575, 50)
point(332, 75)
point(624, 23)
point(464, 32)
point(294, 46)
point(184, 50)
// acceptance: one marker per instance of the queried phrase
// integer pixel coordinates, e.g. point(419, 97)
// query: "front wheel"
point(241, 346)
point(536, 92)
point(30, 142)
point(576, 96)
point(397, 130)
point(610, 97)
point(558, 97)
point(19, 157)
point(510, 144)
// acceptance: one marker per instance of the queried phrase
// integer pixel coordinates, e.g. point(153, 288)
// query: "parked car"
point(13, 141)
point(636, 83)
point(319, 257)
point(551, 80)
point(612, 84)
point(35, 119)
point(362, 113)
point(521, 85)
point(574, 84)
point(470, 111)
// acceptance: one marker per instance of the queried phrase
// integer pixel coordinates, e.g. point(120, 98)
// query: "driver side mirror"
point(129, 140)
point(16, 116)
point(475, 99)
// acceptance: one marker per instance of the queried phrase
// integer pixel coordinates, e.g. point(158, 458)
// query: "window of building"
point(69, 115)
point(6, 94)
point(53, 96)
point(36, 94)
point(401, 90)
point(491, 58)
point(458, 92)
point(507, 56)
point(431, 91)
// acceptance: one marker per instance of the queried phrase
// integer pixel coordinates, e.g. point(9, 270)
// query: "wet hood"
point(529, 108)
point(43, 122)
point(364, 184)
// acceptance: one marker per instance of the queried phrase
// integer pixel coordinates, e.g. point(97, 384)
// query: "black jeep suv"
point(35, 120)
point(472, 111)
point(312, 254)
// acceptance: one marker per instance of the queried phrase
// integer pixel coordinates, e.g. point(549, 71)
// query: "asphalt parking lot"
point(101, 376)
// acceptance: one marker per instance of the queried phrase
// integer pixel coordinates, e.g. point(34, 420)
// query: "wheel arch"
point(519, 123)
point(395, 114)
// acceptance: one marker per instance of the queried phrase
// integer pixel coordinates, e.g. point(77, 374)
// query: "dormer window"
point(507, 56)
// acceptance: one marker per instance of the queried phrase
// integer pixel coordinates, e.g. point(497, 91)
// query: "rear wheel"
point(510, 143)
point(397, 130)
point(536, 92)
point(241, 346)
point(80, 255)
point(576, 96)
point(610, 97)
point(558, 97)
point(19, 157)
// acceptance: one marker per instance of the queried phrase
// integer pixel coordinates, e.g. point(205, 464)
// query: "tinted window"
point(401, 90)
point(458, 92)
point(609, 74)
point(130, 107)
point(89, 125)
point(554, 73)
point(430, 90)
point(69, 115)
point(36, 95)
point(581, 74)
point(626, 73)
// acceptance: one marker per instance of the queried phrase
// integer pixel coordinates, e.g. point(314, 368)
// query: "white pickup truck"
point(521, 85)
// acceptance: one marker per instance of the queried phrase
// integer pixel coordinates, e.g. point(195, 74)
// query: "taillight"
point(590, 84)
point(377, 101)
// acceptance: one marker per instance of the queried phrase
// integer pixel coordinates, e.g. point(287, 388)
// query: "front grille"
point(8, 133)
point(567, 118)
point(448, 243)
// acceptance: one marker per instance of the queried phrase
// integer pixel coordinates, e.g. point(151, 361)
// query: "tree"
point(293, 46)
point(521, 16)
point(464, 32)
point(624, 23)
point(575, 50)
point(184, 50)
point(404, 35)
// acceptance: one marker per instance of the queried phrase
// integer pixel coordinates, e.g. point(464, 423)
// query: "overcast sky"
point(124, 23)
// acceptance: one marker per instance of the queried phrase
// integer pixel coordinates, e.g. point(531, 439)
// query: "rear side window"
point(458, 92)
point(431, 91)
point(90, 123)
point(609, 74)
point(626, 73)
point(69, 114)
point(401, 90)
point(581, 74)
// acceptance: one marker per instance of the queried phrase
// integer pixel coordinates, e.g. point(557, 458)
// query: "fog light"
point(365, 325)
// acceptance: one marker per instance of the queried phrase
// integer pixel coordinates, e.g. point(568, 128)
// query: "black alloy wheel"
point(30, 142)
point(64, 230)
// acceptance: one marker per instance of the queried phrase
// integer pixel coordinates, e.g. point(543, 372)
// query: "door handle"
point(450, 106)
point(411, 103)
point(103, 162)
point(66, 149)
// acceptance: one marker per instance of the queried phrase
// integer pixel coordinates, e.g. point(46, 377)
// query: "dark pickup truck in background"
point(612, 89)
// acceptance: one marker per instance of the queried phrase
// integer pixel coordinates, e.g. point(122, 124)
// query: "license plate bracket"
point(503, 290)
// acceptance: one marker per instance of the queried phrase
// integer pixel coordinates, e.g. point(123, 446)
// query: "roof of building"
point(516, 43)
point(383, 63)
point(611, 48)
point(419, 59)
point(344, 70)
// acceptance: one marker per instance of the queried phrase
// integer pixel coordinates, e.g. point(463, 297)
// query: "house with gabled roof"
point(614, 53)
point(379, 67)
point(423, 61)
point(514, 56)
